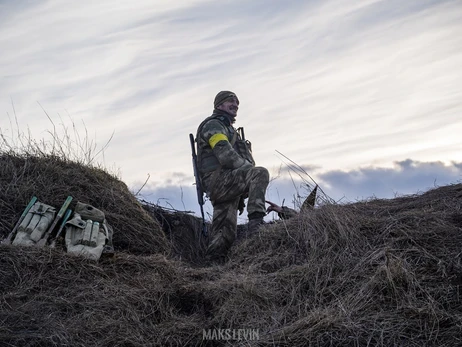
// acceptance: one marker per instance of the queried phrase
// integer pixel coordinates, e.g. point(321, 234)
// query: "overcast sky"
point(364, 94)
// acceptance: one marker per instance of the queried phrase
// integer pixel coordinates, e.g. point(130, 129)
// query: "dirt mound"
point(377, 273)
point(52, 179)
point(50, 299)
point(380, 272)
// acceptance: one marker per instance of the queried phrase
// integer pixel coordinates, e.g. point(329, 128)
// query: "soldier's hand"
point(273, 207)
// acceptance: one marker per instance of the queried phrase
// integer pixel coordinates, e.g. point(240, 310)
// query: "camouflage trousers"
point(225, 194)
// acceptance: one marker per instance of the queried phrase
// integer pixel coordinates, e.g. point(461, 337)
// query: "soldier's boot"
point(218, 248)
point(255, 222)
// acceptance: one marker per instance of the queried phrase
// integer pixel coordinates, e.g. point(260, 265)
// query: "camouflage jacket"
point(219, 145)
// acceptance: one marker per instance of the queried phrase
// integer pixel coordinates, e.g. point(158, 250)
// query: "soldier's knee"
point(262, 173)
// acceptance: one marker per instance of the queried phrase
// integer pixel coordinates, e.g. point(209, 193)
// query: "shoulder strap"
point(233, 140)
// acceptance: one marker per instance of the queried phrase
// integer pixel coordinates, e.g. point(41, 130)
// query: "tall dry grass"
point(67, 141)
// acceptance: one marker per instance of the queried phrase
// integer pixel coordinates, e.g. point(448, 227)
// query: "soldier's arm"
point(283, 212)
point(287, 213)
point(215, 135)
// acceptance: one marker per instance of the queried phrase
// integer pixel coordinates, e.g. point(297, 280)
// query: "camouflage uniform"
point(228, 173)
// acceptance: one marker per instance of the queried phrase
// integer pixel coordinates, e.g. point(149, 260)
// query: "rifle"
point(245, 147)
point(11, 235)
point(63, 223)
point(200, 193)
point(61, 212)
point(240, 130)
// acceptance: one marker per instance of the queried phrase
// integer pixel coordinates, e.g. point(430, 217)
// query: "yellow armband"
point(217, 138)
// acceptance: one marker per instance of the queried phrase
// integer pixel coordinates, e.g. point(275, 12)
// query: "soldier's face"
point(230, 106)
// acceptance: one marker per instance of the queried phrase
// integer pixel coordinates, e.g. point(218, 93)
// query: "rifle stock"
point(200, 192)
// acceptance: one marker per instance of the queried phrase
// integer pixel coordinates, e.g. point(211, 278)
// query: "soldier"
point(228, 175)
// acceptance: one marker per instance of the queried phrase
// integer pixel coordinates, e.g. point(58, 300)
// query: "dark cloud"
point(457, 165)
point(406, 177)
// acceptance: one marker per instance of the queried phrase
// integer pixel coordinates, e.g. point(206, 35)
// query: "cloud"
point(335, 84)
point(405, 177)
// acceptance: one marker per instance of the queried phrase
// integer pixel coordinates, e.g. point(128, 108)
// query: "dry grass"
point(379, 273)
point(372, 273)
point(183, 232)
